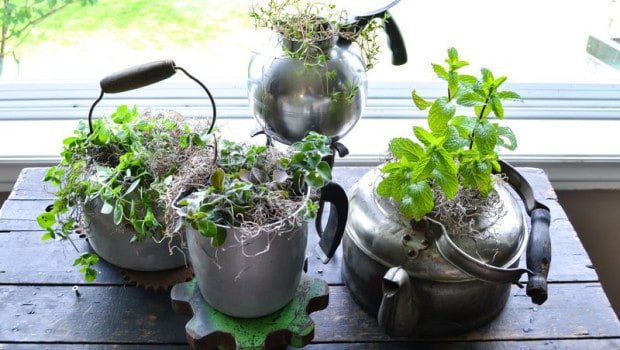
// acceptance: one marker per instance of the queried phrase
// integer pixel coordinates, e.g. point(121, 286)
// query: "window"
point(558, 54)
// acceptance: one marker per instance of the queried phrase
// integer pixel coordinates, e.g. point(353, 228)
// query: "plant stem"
point(486, 103)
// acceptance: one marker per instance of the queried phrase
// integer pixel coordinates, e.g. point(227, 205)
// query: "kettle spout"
point(399, 310)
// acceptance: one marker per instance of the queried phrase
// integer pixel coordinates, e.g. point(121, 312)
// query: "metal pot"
point(257, 276)
point(419, 279)
point(289, 98)
point(113, 244)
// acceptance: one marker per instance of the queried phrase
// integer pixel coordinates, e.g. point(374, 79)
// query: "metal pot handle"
point(336, 223)
point(141, 76)
point(538, 247)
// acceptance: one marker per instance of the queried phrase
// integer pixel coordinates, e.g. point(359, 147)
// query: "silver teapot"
point(419, 279)
point(288, 98)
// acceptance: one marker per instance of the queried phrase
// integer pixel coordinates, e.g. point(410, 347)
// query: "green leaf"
point(423, 169)
point(217, 179)
point(90, 275)
point(393, 185)
point(487, 76)
point(324, 170)
point(219, 238)
point(107, 208)
point(47, 236)
point(464, 124)
point(506, 138)
point(477, 175)
point(444, 161)
point(424, 136)
point(485, 137)
point(207, 228)
point(499, 81)
point(421, 103)
point(46, 220)
point(470, 99)
point(402, 147)
point(508, 95)
point(132, 187)
point(447, 180)
point(496, 106)
point(440, 71)
point(453, 83)
point(453, 55)
point(454, 141)
point(118, 213)
point(418, 201)
point(440, 114)
point(314, 179)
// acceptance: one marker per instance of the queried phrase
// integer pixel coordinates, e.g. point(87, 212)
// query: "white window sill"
point(570, 131)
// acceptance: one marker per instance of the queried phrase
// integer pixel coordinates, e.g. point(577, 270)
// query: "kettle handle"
point(336, 223)
point(395, 40)
point(538, 257)
point(394, 36)
point(143, 75)
point(538, 246)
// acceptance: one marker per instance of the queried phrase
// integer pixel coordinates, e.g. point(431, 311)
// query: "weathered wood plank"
point(129, 315)
point(30, 185)
point(585, 311)
point(578, 344)
point(99, 314)
point(51, 260)
point(573, 344)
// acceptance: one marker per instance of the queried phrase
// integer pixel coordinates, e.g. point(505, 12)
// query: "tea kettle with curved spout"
point(420, 279)
point(288, 97)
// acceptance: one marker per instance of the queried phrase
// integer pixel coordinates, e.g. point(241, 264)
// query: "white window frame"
point(568, 130)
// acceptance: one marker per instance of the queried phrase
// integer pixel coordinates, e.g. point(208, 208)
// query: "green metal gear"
point(211, 329)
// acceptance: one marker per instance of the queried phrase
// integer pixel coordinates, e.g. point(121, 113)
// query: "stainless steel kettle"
point(289, 98)
point(419, 279)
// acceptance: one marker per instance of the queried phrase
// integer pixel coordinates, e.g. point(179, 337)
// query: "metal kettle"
point(289, 98)
point(419, 279)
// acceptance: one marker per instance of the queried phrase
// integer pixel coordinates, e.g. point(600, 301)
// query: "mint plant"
point(457, 151)
point(256, 186)
point(129, 162)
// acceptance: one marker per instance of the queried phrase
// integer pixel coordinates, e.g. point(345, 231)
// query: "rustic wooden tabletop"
point(39, 309)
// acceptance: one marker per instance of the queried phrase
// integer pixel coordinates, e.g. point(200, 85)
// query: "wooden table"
point(38, 308)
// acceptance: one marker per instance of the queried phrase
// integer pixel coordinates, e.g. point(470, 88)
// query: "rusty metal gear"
point(158, 280)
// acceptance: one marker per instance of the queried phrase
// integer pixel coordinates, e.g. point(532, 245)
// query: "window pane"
point(527, 40)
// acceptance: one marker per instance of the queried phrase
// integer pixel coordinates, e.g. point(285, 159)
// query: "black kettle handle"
point(538, 258)
point(336, 223)
point(143, 75)
point(395, 40)
point(394, 36)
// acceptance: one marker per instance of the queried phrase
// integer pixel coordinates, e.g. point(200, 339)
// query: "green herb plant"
point(308, 30)
point(129, 162)
point(256, 187)
point(457, 153)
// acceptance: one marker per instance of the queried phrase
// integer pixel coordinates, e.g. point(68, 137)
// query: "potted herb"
point(434, 236)
point(114, 183)
point(119, 175)
point(314, 79)
point(247, 226)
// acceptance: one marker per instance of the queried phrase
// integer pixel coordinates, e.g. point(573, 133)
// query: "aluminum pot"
point(113, 244)
point(256, 276)
point(419, 279)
